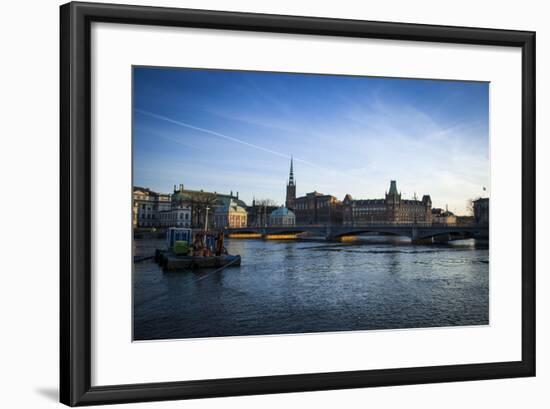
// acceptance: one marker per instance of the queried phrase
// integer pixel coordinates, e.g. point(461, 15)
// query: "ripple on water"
point(296, 287)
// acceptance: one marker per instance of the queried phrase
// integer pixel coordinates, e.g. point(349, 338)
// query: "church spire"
point(291, 175)
point(291, 187)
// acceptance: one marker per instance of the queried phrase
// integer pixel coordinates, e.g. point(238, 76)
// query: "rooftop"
point(282, 211)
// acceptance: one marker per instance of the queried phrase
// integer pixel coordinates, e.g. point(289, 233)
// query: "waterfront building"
point(147, 206)
point(392, 209)
point(441, 216)
point(313, 208)
point(258, 213)
point(230, 215)
point(290, 188)
point(282, 216)
point(182, 208)
point(481, 210)
point(178, 216)
point(202, 204)
point(317, 208)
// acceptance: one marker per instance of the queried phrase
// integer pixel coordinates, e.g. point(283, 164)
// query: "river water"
point(289, 287)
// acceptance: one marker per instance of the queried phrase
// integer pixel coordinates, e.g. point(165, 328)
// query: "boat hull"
point(172, 262)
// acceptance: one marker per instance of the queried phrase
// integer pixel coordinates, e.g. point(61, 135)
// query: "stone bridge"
point(415, 231)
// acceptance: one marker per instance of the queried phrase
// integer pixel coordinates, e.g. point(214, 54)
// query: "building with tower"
point(392, 209)
point(290, 188)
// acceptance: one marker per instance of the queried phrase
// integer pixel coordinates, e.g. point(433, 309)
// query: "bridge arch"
point(412, 231)
point(457, 234)
point(357, 232)
point(268, 230)
point(241, 231)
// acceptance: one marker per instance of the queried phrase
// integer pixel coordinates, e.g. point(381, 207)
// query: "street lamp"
point(206, 219)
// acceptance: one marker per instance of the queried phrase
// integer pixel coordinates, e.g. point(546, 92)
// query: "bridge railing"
point(378, 225)
point(388, 224)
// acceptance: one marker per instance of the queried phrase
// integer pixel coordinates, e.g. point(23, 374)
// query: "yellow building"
point(440, 216)
point(230, 215)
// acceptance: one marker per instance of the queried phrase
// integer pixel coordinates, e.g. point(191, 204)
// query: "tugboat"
point(185, 252)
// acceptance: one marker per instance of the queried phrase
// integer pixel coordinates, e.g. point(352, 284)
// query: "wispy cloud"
point(220, 135)
point(346, 135)
point(318, 168)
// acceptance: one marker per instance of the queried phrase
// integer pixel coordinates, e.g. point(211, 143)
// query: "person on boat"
point(198, 245)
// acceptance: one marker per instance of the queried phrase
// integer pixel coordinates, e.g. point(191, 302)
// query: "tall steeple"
point(290, 187)
point(291, 174)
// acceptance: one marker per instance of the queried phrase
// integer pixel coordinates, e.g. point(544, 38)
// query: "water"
point(289, 287)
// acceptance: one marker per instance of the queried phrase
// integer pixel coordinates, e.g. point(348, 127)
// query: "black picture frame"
point(76, 199)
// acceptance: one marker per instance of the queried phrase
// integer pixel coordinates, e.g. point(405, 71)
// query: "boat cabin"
point(174, 234)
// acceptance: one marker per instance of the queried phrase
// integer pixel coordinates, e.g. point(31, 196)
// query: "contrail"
point(251, 145)
point(230, 138)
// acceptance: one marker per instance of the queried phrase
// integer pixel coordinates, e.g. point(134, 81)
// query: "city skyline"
point(236, 131)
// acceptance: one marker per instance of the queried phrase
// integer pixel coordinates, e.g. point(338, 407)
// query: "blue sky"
point(236, 130)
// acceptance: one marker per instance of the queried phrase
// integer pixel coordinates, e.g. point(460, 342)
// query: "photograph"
point(275, 203)
point(279, 204)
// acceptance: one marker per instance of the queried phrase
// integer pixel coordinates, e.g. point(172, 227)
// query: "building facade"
point(259, 212)
point(182, 208)
point(317, 208)
point(202, 204)
point(178, 216)
point(441, 216)
point(147, 207)
point(230, 215)
point(282, 217)
point(392, 209)
point(481, 210)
